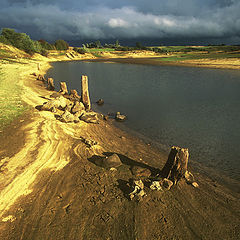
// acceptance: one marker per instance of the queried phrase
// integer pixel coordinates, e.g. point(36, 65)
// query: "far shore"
point(156, 61)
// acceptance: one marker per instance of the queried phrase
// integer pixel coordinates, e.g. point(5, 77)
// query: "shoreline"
point(44, 189)
point(201, 63)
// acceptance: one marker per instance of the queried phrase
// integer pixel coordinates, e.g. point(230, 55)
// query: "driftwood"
point(176, 165)
point(85, 93)
point(63, 88)
point(50, 84)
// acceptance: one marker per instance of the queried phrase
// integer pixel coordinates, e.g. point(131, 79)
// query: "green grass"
point(93, 50)
point(11, 105)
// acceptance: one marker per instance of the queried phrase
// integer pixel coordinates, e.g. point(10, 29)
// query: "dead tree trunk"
point(50, 84)
point(176, 165)
point(63, 88)
point(74, 95)
point(85, 93)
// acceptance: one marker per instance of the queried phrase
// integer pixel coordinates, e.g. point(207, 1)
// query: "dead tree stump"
point(85, 93)
point(50, 84)
point(74, 95)
point(176, 165)
point(63, 88)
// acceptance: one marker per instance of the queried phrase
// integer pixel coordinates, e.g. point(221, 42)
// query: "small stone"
point(119, 117)
point(166, 183)
point(100, 102)
point(156, 186)
point(89, 117)
point(195, 184)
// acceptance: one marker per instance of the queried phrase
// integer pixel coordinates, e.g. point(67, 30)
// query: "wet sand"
point(51, 188)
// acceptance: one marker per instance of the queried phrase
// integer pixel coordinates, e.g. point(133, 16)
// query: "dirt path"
point(51, 188)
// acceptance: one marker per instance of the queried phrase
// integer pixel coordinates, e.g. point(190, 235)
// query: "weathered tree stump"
point(176, 165)
point(50, 84)
point(85, 93)
point(74, 95)
point(63, 88)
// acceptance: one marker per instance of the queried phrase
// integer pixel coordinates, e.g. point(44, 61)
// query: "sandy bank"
point(51, 188)
point(157, 61)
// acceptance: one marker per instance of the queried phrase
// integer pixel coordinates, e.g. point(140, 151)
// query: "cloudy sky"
point(206, 21)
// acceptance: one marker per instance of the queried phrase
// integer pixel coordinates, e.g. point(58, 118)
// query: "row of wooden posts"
point(64, 91)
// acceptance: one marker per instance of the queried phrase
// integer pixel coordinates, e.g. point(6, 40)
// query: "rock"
point(69, 106)
point(166, 183)
point(189, 177)
point(89, 117)
point(105, 117)
point(156, 186)
point(140, 172)
point(112, 162)
point(88, 142)
point(100, 102)
point(119, 117)
point(59, 102)
point(195, 184)
point(78, 107)
point(138, 191)
point(67, 117)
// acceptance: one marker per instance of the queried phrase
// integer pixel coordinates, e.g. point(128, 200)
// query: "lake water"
point(196, 108)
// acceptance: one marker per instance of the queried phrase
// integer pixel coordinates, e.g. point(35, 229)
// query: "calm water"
point(196, 108)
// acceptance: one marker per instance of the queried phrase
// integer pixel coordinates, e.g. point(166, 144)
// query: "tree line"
point(24, 42)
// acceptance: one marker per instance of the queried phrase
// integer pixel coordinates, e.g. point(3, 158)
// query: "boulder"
point(119, 117)
point(111, 162)
point(67, 117)
point(166, 183)
point(78, 107)
point(90, 117)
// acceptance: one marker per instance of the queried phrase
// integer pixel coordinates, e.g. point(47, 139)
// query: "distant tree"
point(139, 45)
point(61, 45)
point(45, 45)
point(98, 44)
point(117, 44)
point(4, 40)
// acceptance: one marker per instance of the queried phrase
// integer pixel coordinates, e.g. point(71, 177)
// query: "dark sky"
point(179, 21)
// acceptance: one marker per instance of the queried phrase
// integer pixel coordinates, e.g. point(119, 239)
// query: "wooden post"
point(85, 93)
point(74, 94)
point(50, 84)
point(38, 66)
point(176, 165)
point(63, 88)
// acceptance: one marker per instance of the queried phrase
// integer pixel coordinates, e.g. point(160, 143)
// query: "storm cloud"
point(108, 19)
